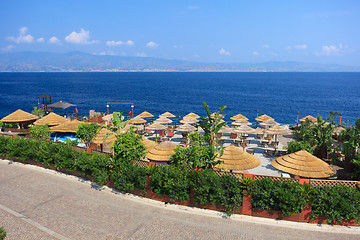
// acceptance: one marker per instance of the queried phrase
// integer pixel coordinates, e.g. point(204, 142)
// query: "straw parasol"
point(145, 114)
point(137, 120)
point(241, 122)
point(156, 127)
point(189, 120)
point(225, 129)
point(244, 129)
point(278, 130)
point(52, 119)
point(148, 143)
point(263, 118)
point(236, 159)
point(163, 120)
point(309, 117)
point(192, 115)
point(185, 128)
point(303, 164)
point(162, 152)
point(269, 122)
point(168, 115)
point(239, 117)
point(338, 130)
point(19, 116)
point(67, 127)
point(104, 136)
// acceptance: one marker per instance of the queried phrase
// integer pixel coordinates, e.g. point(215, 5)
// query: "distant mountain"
point(83, 62)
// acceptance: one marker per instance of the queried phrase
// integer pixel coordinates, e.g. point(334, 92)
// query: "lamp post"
point(107, 106)
point(132, 110)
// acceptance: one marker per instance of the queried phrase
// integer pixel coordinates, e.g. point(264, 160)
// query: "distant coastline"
point(83, 62)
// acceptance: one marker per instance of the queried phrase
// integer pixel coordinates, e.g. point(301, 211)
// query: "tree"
point(117, 124)
point(41, 132)
point(87, 131)
point(350, 146)
point(128, 146)
point(38, 112)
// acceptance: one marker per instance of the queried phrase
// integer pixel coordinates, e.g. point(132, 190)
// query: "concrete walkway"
point(36, 203)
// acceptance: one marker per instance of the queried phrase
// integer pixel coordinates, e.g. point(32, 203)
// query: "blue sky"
point(207, 31)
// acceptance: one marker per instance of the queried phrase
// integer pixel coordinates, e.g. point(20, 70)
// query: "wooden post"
point(247, 205)
point(297, 119)
point(88, 150)
point(340, 118)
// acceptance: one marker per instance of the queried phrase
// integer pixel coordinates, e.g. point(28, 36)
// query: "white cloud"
point(224, 52)
point(8, 48)
point(54, 40)
point(130, 43)
point(22, 38)
point(177, 46)
point(40, 40)
point(152, 44)
point(118, 43)
point(108, 53)
point(83, 37)
point(255, 53)
point(140, 54)
point(196, 56)
point(303, 46)
point(330, 50)
point(266, 46)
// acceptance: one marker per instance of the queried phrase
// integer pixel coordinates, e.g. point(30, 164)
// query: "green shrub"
point(129, 146)
point(21, 149)
point(295, 146)
point(128, 176)
point(206, 185)
point(40, 132)
point(64, 157)
point(94, 165)
point(230, 193)
point(286, 196)
point(172, 181)
point(4, 143)
point(336, 203)
point(2, 233)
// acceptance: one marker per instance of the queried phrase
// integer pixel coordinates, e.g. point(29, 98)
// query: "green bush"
point(286, 196)
point(40, 132)
point(336, 203)
point(4, 143)
point(295, 146)
point(172, 181)
point(128, 176)
point(94, 165)
point(2, 233)
point(230, 193)
point(64, 157)
point(206, 185)
point(21, 149)
point(129, 146)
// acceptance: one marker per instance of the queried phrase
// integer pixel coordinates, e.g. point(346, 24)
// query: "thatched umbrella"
point(220, 115)
point(241, 122)
point(52, 119)
point(67, 127)
point(244, 129)
point(263, 118)
point(163, 120)
point(338, 130)
point(269, 122)
point(303, 164)
point(148, 143)
point(225, 129)
point(310, 118)
point(145, 114)
point(185, 128)
point(156, 127)
point(161, 152)
point(104, 136)
point(168, 115)
point(19, 116)
point(137, 120)
point(189, 120)
point(236, 159)
point(239, 117)
point(62, 105)
point(192, 115)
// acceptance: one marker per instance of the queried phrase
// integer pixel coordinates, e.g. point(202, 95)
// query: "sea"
point(279, 95)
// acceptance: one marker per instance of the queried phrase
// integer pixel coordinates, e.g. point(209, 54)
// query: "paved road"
point(41, 204)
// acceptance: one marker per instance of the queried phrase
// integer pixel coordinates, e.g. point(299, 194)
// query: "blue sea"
point(280, 95)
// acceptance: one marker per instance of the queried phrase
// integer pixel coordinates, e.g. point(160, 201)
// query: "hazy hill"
point(83, 62)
